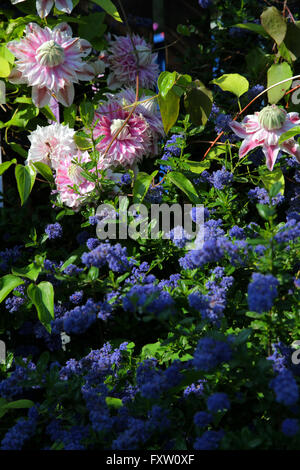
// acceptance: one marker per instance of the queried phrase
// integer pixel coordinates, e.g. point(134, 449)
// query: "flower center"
point(116, 126)
point(50, 54)
point(272, 117)
point(74, 173)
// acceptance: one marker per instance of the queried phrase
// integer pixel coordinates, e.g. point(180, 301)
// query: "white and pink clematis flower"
point(50, 61)
point(263, 129)
point(132, 143)
point(51, 144)
point(43, 7)
point(69, 174)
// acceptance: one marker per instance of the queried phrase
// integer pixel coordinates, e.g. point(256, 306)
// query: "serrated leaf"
point(277, 73)
point(7, 284)
point(184, 184)
point(233, 82)
point(42, 297)
point(274, 23)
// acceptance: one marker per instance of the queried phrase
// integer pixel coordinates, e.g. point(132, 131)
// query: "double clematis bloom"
point(50, 61)
point(51, 144)
point(263, 129)
point(43, 7)
point(126, 61)
point(69, 174)
point(132, 143)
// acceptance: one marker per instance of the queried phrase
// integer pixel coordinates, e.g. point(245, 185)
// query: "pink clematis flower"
point(263, 129)
point(69, 174)
point(50, 61)
point(43, 7)
point(125, 61)
point(131, 144)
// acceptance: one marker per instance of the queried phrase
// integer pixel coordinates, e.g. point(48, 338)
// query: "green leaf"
point(184, 184)
point(165, 82)
point(197, 167)
point(292, 39)
point(25, 176)
point(277, 73)
point(4, 166)
point(114, 402)
point(169, 109)
point(82, 142)
point(110, 8)
point(272, 177)
point(42, 297)
point(198, 102)
point(92, 26)
point(256, 28)
point(4, 67)
point(19, 149)
point(44, 170)
point(275, 189)
point(86, 110)
point(7, 284)
point(31, 271)
point(70, 115)
point(289, 134)
point(141, 185)
point(265, 211)
point(274, 23)
point(6, 54)
point(233, 82)
point(47, 112)
point(6, 406)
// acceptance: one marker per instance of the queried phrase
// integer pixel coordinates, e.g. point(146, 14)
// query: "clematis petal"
point(64, 5)
point(40, 96)
point(65, 95)
point(271, 153)
point(87, 72)
point(16, 77)
point(249, 144)
point(43, 7)
point(238, 129)
point(63, 28)
point(294, 118)
point(292, 148)
point(85, 47)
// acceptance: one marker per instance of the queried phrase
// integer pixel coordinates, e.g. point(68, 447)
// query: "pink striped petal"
point(271, 153)
point(292, 148)
point(16, 77)
point(63, 28)
point(238, 129)
point(40, 96)
point(84, 47)
point(294, 118)
point(248, 144)
point(65, 95)
point(43, 7)
point(64, 5)
point(86, 73)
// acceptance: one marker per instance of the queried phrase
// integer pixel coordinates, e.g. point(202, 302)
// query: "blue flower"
point(290, 427)
point(285, 388)
point(54, 231)
point(218, 402)
point(262, 291)
point(210, 440)
point(202, 419)
point(210, 353)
